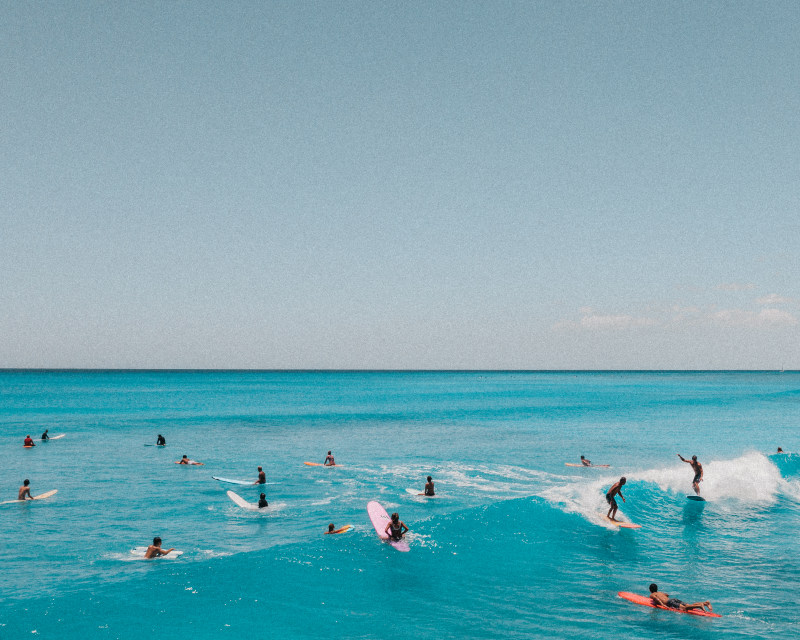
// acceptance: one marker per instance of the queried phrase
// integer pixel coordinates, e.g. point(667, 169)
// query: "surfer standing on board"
point(698, 472)
point(616, 489)
point(329, 460)
point(25, 491)
point(429, 487)
point(155, 550)
point(396, 528)
point(664, 600)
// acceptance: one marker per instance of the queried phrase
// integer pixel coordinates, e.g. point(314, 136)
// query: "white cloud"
point(736, 286)
point(593, 321)
point(773, 298)
point(763, 318)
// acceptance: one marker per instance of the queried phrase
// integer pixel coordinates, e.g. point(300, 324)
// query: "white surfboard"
point(41, 496)
point(140, 551)
point(252, 506)
point(58, 437)
point(244, 483)
point(417, 492)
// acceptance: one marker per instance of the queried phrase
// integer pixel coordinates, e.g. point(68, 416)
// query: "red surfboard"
point(647, 602)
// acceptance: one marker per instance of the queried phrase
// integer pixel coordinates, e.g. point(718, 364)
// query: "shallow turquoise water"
point(511, 548)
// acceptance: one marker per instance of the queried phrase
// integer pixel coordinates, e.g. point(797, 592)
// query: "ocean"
point(513, 546)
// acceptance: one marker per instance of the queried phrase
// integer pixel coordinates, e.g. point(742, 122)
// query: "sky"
point(415, 185)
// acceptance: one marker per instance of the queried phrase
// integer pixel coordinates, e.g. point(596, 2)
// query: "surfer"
point(262, 477)
point(429, 487)
point(262, 501)
point(29, 441)
point(155, 550)
point(616, 489)
point(185, 460)
point(329, 462)
point(25, 491)
point(698, 472)
point(45, 437)
point(331, 529)
point(664, 600)
point(396, 528)
point(160, 441)
point(585, 462)
point(780, 450)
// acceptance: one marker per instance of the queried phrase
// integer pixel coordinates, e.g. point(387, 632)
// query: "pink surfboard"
point(645, 601)
point(379, 519)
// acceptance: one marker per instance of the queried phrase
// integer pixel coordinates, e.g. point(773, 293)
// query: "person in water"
point(160, 441)
point(585, 462)
point(396, 528)
point(664, 600)
point(185, 460)
point(45, 437)
point(155, 550)
point(616, 489)
point(331, 529)
point(429, 487)
point(262, 501)
point(262, 477)
point(25, 491)
point(329, 462)
point(29, 441)
point(780, 450)
point(698, 472)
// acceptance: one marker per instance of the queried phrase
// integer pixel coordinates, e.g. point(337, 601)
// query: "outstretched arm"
point(684, 459)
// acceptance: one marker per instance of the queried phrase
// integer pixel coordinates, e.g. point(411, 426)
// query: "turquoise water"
point(512, 547)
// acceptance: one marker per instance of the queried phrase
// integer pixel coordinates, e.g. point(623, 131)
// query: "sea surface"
point(513, 546)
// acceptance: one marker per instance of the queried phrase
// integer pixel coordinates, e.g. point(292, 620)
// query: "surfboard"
point(572, 464)
point(620, 524)
point(416, 492)
point(140, 551)
point(191, 463)
point(252, 506)
point(379, 519)
point(58, 437)
point(647, 602)
point(696, 498)
point(150, 444)
point(346, 527)
point(41, 496)
point(244, 483)
point(319, 464)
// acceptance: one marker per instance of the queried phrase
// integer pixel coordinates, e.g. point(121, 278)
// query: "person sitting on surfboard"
point(329, 460)
point(160, 441)
point(25, 491)
point(262, 477)
point(29, 441)
point(262, 501)
point(664, 600)
point(616, 489)
point(429, 487)
point(698, 472)
point(155, 550)
point(585, 462)
point(396, 528)
point(45, 436)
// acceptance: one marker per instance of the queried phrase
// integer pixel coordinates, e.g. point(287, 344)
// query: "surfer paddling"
point(329, 461)
point(615, 490)
point(429, 488)
point(585, 462)
point(663, 600)
point(25, 491)
point(698, 472)
point(396, 528)
point(185, 460)
point(155, 550)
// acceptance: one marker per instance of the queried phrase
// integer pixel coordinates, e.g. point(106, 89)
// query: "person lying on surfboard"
point(585, 462)
point(396, 528)
point(329, 460)
point(616, 489)
point(25, 491)
point(155, 550)
point(29, 441)
point(262, 501)
point(185, 460)
point(429, 487)
point(262, 477)
point(664, 600)
point(698, 472)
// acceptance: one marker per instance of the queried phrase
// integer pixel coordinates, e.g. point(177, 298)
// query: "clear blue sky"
point(400, 185)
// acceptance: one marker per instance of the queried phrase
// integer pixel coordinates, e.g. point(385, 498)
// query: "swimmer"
point(396, 528)
point(664, 600)
point(329, 460)
point(262, 501)
point(25, 491)
point(262, 477)
point(155, 550)
point(616, 489)
point(429, 487)
point(698, 472)
point(29, 441)
point(585, 462)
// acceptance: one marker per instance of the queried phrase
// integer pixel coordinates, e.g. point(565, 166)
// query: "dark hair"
point(653, 588)
point(27, 482)
point(156, 540)
point(263, 495)
point(331, 527)
point(329, 453)
point(623, 479)
point(259, 468)
point(185, 456)
point(395, 517)
point(429, 478)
